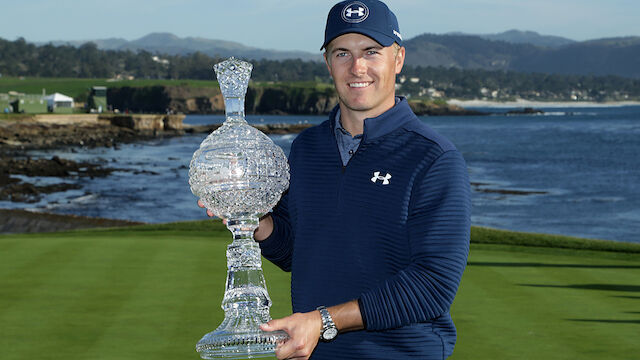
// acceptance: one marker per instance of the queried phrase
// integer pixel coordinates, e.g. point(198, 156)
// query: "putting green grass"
point(152, 291)
point(518, 302)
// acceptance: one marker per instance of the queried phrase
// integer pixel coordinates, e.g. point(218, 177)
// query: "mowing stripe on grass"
point(520, 304)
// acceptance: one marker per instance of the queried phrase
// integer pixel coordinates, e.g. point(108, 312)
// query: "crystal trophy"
point(239, 174)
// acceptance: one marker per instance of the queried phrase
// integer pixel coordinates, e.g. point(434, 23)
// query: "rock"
point(525, 111)
point(431, 108)
point(16, 190)
point(279, 129)
point(106, 131)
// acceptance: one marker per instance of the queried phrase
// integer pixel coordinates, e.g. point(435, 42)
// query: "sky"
point(299, 24)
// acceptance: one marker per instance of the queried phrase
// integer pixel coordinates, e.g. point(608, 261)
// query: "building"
point(59, 103)
point(97, 101)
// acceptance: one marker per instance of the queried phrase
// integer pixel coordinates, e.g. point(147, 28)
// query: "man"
point(375, 224)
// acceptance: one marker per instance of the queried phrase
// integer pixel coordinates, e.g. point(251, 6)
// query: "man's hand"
point(304, 332)
point(265, 227)
point(209, 213)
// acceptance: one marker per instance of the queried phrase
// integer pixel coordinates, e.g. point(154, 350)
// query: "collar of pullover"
point(383, 124)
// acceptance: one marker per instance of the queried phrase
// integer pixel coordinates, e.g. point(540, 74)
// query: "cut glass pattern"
point(239, 174)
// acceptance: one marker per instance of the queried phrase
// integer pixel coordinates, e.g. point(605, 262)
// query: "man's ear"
point(326, 62)
point(400, 60)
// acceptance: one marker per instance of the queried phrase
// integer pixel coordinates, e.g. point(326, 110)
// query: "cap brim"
point(379, 37)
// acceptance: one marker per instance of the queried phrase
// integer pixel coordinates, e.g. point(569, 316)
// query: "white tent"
point(59, 100)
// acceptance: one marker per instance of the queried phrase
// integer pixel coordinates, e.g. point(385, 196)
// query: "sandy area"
point(520, 103)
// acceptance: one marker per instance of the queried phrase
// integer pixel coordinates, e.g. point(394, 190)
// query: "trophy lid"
point(233, 77)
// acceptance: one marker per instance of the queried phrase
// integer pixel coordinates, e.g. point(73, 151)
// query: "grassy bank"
point(152, 291)
point(75, 87)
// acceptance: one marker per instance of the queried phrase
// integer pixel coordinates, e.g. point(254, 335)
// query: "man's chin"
point(356, 106)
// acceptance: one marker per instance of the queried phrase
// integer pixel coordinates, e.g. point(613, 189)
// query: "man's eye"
point(372, 52)
point(342, 54)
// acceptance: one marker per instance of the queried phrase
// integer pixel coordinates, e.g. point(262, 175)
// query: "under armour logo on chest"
point(384, 179)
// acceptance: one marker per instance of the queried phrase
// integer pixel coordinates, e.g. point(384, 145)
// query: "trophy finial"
point(233, 77)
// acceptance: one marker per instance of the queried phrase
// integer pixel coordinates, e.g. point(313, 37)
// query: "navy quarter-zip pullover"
point(391, 229)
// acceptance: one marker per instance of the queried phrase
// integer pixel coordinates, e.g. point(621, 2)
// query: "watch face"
point(330, 333)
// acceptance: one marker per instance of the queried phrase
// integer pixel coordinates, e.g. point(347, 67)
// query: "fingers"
point(201, 204)
point(273, 325)
point(209, 212)
point(303, 330)
point(293, 349)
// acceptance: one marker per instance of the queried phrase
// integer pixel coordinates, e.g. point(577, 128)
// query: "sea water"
point(571, 171)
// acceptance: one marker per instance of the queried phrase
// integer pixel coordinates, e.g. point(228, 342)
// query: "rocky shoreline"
point(16, 190)
point(41, 132)
point(19, 173)
point(91, 130)
point(21, 177)
point(277, 129)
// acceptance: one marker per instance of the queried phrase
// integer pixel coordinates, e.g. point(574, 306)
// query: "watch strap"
point(327, 322)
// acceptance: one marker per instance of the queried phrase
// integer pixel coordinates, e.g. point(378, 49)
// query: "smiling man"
point(375, 224)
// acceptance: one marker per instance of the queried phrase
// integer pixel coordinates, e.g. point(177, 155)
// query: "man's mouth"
point(359, 84)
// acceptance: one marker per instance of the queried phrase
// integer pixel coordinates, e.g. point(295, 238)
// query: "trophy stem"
point(246, 302)
point(234, 110)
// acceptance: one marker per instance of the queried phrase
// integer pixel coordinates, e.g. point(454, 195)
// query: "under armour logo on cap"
point(355, 12)
point(384, 179)
point(371, 18)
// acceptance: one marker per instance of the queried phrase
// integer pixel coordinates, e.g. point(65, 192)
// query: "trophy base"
point(239, 345)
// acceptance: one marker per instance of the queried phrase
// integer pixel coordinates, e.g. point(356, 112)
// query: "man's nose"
point(359, 66)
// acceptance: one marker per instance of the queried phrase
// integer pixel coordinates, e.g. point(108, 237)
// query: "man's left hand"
point(304, 332)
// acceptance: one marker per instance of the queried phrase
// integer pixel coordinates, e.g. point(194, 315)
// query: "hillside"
point(513, 50)
point(169, 44)
point(614, 56)
point(528, 37)
point(464, 52)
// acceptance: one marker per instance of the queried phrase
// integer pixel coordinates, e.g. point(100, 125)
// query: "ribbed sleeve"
point(278, 247)
point(438, 227)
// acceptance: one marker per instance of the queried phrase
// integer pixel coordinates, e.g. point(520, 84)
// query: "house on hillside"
point(59, 103)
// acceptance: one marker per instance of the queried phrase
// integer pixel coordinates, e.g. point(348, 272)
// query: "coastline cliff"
point(273, 99)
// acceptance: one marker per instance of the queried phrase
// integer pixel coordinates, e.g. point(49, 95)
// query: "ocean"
point(572, 171)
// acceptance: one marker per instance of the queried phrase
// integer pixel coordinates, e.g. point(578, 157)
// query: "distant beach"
point(520, 103)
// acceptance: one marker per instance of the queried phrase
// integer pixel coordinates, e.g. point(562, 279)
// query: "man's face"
point(364, 73)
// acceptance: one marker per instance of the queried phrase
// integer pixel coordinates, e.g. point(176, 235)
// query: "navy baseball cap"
point(367, 17)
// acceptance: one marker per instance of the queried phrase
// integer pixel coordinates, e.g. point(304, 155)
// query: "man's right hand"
point(209, 213)
point(265, 227)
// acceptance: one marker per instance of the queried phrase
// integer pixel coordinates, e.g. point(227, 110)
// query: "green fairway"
point(75, 87)
point(520, 302)
point(153, 291)
point(116, 294)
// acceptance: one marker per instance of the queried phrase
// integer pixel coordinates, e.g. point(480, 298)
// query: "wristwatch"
point(329, 329)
